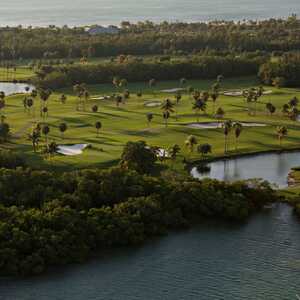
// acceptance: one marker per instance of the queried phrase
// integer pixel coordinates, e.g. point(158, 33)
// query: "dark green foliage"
point(284, 72)
point(48, 219)
point(139, 157)
point(200, 67)
point(10, 160)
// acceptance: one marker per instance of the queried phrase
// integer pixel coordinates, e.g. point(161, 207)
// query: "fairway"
point(128, 122)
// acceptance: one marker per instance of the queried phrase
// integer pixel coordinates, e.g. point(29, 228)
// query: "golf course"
point(127, 121)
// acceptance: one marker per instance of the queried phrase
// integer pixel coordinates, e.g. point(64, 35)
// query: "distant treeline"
point(204, 67)
point(147, 38)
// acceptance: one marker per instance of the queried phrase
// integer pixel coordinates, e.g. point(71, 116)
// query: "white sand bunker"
point(240, 93)
point(214, 125)
point(100, 98)
point(175, 90)
point(152, 103)
point(162, 153)
point(71, 150)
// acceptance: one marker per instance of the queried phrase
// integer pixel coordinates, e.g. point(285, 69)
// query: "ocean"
point(105, 12)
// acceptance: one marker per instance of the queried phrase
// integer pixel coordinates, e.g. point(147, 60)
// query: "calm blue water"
point(272, 167)
point(259, 260)
point(79, 12)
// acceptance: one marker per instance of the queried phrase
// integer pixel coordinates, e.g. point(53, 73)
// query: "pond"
point(256, 260)
point(273, 167)
point(10, 88)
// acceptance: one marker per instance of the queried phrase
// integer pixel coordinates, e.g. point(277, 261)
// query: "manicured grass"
point(22, 73)
point(128, 123)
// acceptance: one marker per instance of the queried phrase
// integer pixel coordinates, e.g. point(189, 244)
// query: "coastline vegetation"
point(55, 219)
point(168, 93)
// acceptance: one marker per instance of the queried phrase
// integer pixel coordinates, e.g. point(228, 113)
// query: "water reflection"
point(272, 167)
point(14, 88)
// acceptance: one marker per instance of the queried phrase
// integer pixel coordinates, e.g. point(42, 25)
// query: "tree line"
point(146, 38)
point(205, 67)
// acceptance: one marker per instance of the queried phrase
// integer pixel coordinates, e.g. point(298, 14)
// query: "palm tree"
point(214, 97)
point(227, 126)
point(2, 100)
point(190, 142)
point(119, 99)
point(204, 149)
point(167, 108)
point(285, 108)
point(271, 108)
point(199, 105)
point(79, 90)
point(149, 118)
point(29, 103)
point(294, 102)
point(126, 95)
point(178, 97)
point(46, 131)
point(238, 127)
point(98, 126)
point(294, 114)
point(51, 149)
point(44, 96)
point(220, 113)
point(44, 112)
point(174, 151)
point(62, 128)
point(95, 108)
point(63, 99)
point(166, 116)
point(86, 96)
point(34, 137)
point(281, 133)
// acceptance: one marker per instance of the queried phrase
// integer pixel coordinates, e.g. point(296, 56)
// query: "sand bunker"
point(240, 93)
point(175, 90)
point(214, 125)
point(100, 97)
point(162, 153)
point(153, 103)
point(71, 150)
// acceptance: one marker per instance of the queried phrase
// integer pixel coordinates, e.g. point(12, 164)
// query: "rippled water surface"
point(78, 12)
point(257, 260)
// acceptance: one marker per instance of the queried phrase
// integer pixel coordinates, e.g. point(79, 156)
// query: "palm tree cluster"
point(167, 108)
point(83, 96)
point(251, 97)
point(229, 126)
point(291, 109)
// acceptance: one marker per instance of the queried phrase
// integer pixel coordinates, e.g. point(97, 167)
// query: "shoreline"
point(211, 21)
